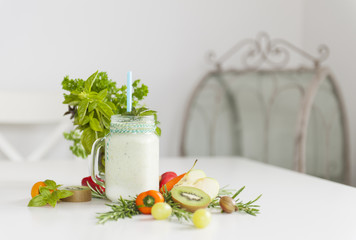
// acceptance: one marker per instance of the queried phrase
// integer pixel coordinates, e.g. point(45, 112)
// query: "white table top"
point(293, 205)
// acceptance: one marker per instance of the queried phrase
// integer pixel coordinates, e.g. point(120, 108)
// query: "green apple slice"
point(208, 185)
point(191, 177)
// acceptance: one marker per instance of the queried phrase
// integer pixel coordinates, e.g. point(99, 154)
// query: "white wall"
point(162, 42)
point(334, 23)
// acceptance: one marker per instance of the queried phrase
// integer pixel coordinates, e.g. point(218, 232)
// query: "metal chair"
point(31, 109)
point(270, 109)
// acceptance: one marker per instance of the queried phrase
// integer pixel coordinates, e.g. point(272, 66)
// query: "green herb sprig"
point(248, 207)
point(125, 208)
point(224, 191)
point(49, 194)
point(96, 193)
point(92, 102)
point(77, 147)
point(178, 212)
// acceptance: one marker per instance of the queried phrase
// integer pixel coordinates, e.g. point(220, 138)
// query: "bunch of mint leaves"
point(92, 102)
point(49, 194)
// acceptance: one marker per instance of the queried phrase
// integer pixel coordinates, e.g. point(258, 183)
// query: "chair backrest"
point(293, 118)
point(31, 109)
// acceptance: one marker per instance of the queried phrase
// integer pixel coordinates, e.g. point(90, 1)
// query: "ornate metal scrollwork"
point(273, 53)
point(280, 110)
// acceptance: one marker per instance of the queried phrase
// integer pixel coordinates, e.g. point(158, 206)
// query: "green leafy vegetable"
point(49, 194)
point(91, 104)
point(77, 148)
point(38, 201)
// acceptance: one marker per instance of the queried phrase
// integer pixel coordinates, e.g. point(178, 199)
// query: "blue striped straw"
point(129, 91)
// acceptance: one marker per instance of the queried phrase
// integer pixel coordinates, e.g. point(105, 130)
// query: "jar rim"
point(128, 118)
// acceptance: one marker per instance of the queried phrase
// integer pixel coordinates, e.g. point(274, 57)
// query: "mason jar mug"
point(131, 157)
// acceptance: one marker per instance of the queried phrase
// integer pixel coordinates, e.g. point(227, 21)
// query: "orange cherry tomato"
point(146, 200)
point(36, 188)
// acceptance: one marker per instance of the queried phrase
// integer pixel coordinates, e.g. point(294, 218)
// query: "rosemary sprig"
point(215, 202)
point(96, 193)
point(125, 208)
point(224, 191)
point(248, 207)
point(180, 213)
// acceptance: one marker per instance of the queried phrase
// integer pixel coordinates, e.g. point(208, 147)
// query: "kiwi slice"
point(190, 198)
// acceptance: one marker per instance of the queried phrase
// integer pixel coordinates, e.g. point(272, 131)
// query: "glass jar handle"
point(99, 143)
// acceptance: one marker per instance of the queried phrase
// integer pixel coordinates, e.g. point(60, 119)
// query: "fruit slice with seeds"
point(190, 198)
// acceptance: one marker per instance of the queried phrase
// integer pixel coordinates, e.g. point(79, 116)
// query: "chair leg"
point(9, 150)
point(48, 142)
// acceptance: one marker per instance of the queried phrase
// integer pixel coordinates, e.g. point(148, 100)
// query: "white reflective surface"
point(293, 206)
